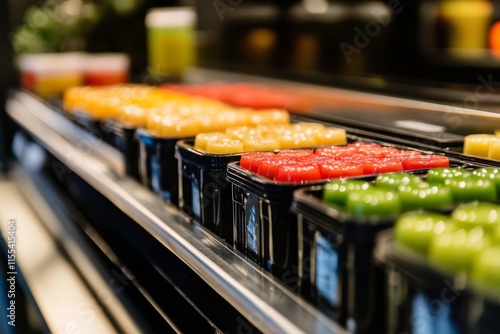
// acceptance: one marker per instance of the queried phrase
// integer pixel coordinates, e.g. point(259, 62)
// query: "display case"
point(146, 265)
point(165, 254)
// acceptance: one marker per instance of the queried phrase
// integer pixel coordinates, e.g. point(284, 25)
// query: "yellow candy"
point(478, 144)
point(280, 130)
point(261, 144)
point(176, 126)
point(153, 122)
point(207, 106)
point(133, 114)
point(72, 97)
point(296, 140)
point(494, 151)
point(331, 136)
point(169, 113)
point(308, 128)
point(224, 146)
point(242, 132)
point(232, 119)
point(208, 123)
point(111, 106)
point(201, 140)
point(270, 117)
point(94, 108)
point(266, 131)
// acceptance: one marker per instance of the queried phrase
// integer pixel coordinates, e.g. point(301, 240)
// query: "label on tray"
point(432, 314)
point(327, 267)
point(155, 174)
point(252, 213)
point(196, 199)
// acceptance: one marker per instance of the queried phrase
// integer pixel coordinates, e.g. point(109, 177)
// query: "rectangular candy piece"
point(478, 144)
point(494, 151)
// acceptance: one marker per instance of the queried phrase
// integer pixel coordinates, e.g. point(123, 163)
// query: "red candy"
point(268, 167)
point(356, 159)
point(426, 161)
point(383, 166)
point(340, 169)
point(295, 153)
point(298, 173)
point(250, 161)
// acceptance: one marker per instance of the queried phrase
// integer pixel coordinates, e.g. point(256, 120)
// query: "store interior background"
point(443, 51)
point(385, 46)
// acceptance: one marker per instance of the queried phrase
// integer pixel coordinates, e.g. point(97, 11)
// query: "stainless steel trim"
point(63, 298)
point(204, 75)
point(254, 293)
point(470, 112)
point(59, 225)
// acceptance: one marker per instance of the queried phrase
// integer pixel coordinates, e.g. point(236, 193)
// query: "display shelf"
point(47, 234)
point(251, 291)
point(435, 110)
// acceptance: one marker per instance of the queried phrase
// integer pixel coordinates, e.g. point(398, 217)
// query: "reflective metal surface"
point(469, 112)
point(64, 300)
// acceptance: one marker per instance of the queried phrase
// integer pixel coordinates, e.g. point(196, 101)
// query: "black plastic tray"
point(123, 137)
point(265, 229)
point(423, 284)
point(204, 192)
point(158, 168)
point(349, 282)
point(422, 298)
point(336, 268)
point(91, 125)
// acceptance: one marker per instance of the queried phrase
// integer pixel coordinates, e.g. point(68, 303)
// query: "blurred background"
point(375, 45)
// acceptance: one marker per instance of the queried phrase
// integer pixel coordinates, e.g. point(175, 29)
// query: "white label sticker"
point(252, 220)
point(428, 316)
point(155, 175)
point(327, 267)
point(196, 199)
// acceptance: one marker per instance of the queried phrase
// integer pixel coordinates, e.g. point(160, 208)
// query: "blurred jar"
point(106, 68)
point(250, 36)
point(371, 24)
point(317, 27)
point(171, 40)
point(50, 74)
point(468, 23)
point(340, 36)
point(494, 31)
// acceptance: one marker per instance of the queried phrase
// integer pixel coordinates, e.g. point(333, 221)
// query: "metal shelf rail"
point(251, 291)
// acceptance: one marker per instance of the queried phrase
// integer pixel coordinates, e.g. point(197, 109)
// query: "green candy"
point(456, 250)
point(336, 192)
point(490, 173)
point(373, 202)
point(425, 196)
point(415, 230)
point(470, 215)
point(471, 188)
point(486, 269)
point(395, 180)
point(440, 175)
